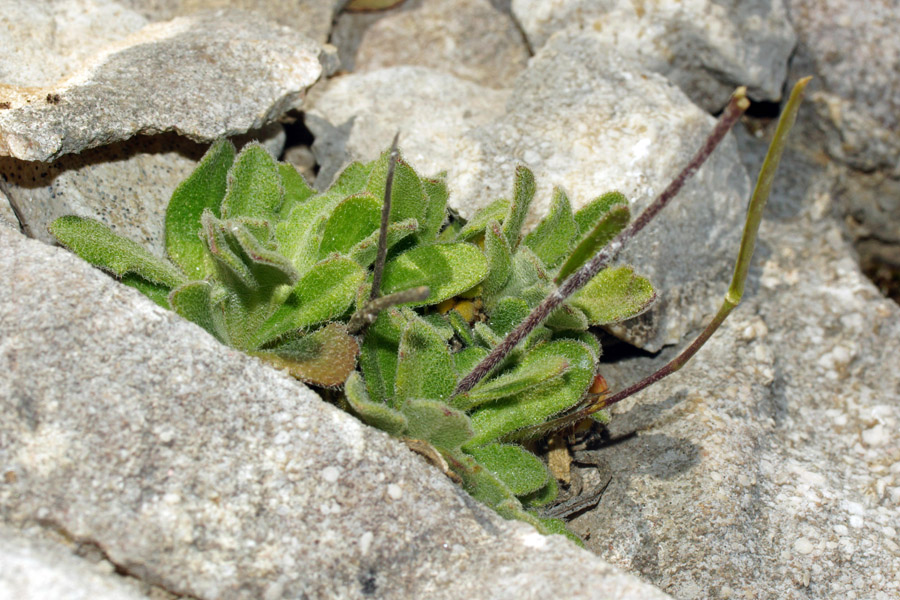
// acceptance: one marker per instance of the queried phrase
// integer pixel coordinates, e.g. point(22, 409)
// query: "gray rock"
point(707, 47)
point(7, 214)
point(204, 76)
point(581, 118)
point(126, 185)
point(768, 467)
point(32, 569)
point(204, 472)
point(466, 38)
point(355, 117)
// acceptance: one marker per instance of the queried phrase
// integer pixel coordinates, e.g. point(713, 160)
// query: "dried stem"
point(385, 218)
point(367, 314)
point(579, 278)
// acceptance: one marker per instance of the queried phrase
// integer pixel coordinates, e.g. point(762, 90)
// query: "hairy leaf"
point(519, 469)
point(553, 236)
point(436, 423)
point(378, 358)
point(474, 227)
point(508, 313)
point(523, 192)
point(408, 200)
point(613, 295)
point(528, 374)
point(437, 193)
point(351, 221)
point(425, 368)
point(543, 496)
point(447, 270)
point(296, 189)
point(325, 357)
point(254, 185)
point(499, 260)
point(591, 214)
point(376, 414)
point(364, 252)
point(610, 224)
point(193, 301)
point(155, 291)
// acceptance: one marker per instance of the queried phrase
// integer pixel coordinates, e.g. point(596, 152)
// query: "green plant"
point(298, 278)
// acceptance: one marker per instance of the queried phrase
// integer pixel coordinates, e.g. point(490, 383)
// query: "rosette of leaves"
point(269, 266)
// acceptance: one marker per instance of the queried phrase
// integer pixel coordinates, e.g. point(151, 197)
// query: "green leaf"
point(425, 368)
point(375, 414)
point(156, 292)
point(609, 226)
point(523, 192)
point(447, 270)
point(296, 189)
point(408, 200)
point(508, 313)
point(460, 327)
point(96, 243)
point(300, 234)
point(437, 193)
point(436, 423)
point(322, 294)
point(613, 295)
point(325, 357)
point(193, 301)
point(497, 419)
point(519, 469)
point(543, 496)
point(528, 374)
point(591, 214)
point(495, 211)
point(254, 185)
point(351, 221)
point(567, 317)
point(499, 261)
point(466, 359)
point(204, 189)
point(364, 252)
point(352, 180)
point(378, 358)
point(553, 236)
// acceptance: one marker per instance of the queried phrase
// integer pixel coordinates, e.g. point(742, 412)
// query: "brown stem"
point(368, 313)
point(381, 254)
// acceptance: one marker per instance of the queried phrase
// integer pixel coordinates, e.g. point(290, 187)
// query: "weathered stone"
point(126, 185)
point(204, 472)
point(203, 76)
point(466, 38)
point(356, 116)
point(32, 569)
point(708, 47)
point(768, 467)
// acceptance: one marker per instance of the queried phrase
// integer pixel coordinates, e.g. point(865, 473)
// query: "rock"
point(707, 47)
point(7, 215)
point(152, 82)
point(206, 473)
point(356, 116)
point(466, 38)
point(42, 570)
point(582, 118)
point(312, 18)
point(767, 467)
point(126, 185)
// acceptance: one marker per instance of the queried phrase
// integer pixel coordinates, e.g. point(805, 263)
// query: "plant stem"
point(381, 255)
point(736, 107)
point(367, 314)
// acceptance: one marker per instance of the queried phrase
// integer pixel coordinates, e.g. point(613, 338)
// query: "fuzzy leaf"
point(485, 335)
point(447, 270)
point(436, 423)
point(300, 234)
point(528, 374)
point(497, 419)
point(499, 260)
point(543, 496)
point(351, 221)
point(193, 301)
point(254, 185)
point(523, 192)
point(378, 358)
point(466, 359)
point(591, 213)
point(553, 236)
point(96, 243)
point(322, 294)
point(519, 469)
point(508, 313)
point(567, 317)
point(460, 327)
point(156, 292)
point(608, 227)
point(352, 180)
point(364, 252)
point(325, 357)
point(481, 484)
point(296, 189)
point(204, 189)
point(437, 193)
point(408, 200)
point(375, 414)
point(613, 295)
point(425, 368)
point(495, 211)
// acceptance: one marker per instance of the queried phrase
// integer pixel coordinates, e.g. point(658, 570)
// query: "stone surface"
point(582, 118)
point(32, 569)
point(154, 81)
point(126, 185)
point(708, 47)
point(769, 467)
point(466, 38)
point(356, 116)
point(206, 473)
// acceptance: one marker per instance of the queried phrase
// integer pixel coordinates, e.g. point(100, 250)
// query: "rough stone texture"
point(310, 17)
point(32, 569)
point(7, 215)
point(204, 472)
point(770, 466)
point(205, 76)
point(126, 185)
point(581, 118)
point(466, 38)
point(356, 116)
point(708, 47)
